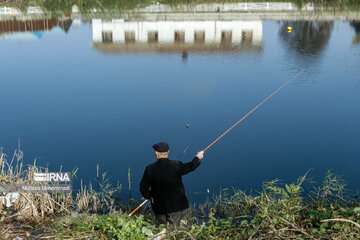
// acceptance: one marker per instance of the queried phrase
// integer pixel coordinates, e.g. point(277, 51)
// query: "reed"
point(28, 206)
point(36, 206)
point(103, 200)
point(278, 211)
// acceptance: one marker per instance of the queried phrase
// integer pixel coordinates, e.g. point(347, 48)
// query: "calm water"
point(77, 102)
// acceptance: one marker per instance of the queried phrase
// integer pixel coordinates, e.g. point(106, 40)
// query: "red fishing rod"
point(242, 119)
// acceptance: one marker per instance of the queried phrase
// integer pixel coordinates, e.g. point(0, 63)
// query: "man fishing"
point(162, 183)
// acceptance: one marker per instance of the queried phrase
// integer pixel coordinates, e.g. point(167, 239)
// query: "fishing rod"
point(257, 106)
point(252, 110)
point(138, 207)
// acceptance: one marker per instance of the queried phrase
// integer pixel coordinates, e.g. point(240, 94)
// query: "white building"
point(175, 35)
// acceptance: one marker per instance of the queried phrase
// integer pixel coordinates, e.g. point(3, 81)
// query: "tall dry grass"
point(36, 206)
point(28, 206)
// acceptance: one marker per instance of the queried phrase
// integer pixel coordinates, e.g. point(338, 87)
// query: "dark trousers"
point(168, 219)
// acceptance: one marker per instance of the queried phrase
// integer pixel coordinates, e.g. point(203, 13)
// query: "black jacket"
point(162, 182)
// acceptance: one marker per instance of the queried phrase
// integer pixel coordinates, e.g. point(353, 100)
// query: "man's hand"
point(200, 154)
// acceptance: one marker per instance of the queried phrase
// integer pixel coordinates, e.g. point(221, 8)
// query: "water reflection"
point(119, 36)
point(12, 27)
point(356, 25)
point(223, 86)
point(307, 38)
point(306, 42)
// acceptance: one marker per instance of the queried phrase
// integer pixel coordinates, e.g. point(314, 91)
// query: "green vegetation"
point(104, 227)
point(278, 211)
point(86, 6)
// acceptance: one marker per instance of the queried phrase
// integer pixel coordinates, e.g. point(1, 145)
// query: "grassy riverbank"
point(278, 211)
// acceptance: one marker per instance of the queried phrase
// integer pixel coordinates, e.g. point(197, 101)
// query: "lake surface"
point(102, 91)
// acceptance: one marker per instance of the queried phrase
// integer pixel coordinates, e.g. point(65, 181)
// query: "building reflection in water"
point(119, 36)
point(11, 27)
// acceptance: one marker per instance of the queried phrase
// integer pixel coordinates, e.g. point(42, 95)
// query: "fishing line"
point(281, 87)
point(187, 129)
point(257, 106)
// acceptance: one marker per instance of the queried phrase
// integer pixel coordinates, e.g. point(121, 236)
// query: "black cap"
point(161, 147)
